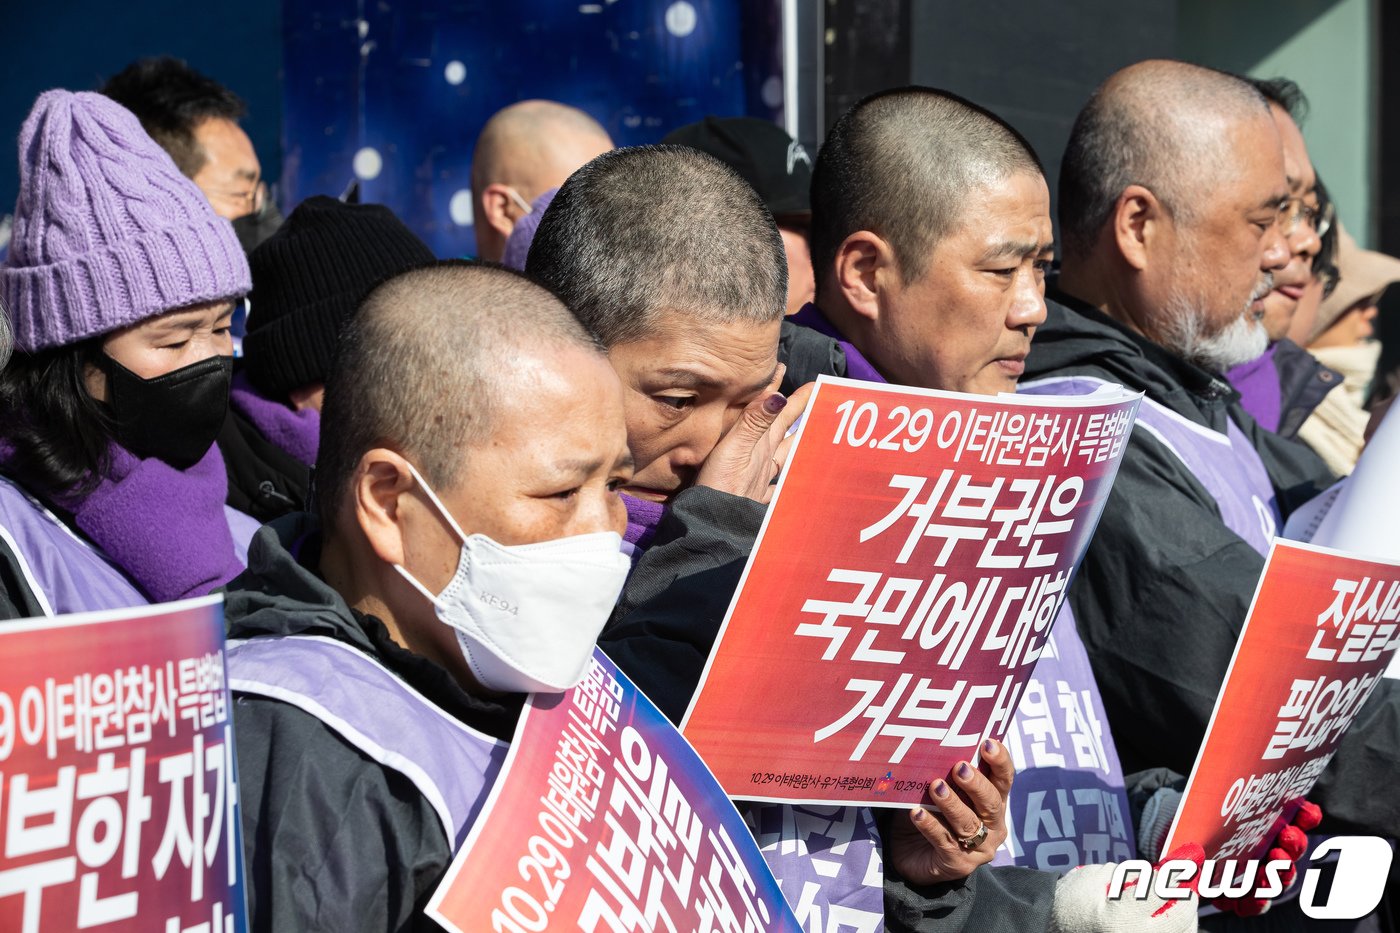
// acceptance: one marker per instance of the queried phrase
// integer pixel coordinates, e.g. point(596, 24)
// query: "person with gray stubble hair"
point(1171, 195)
point(1176, 139)
point(672, 261)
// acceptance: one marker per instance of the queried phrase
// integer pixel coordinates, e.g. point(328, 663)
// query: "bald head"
point(1167, 126)
point(902, 164)
point(424, 362)
point(522, 152)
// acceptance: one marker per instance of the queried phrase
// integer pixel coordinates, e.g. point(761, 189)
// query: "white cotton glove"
point(1082, 906)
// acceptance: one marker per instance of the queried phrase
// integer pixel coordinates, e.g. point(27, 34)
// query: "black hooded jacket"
point(334, 840)
point(1164, 589)
point(264, 481)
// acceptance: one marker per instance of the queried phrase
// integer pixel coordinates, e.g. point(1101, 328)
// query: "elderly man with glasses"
point(1179, 218)
point(1283, 386)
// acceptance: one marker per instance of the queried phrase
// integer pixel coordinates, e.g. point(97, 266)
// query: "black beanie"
point(309, 277)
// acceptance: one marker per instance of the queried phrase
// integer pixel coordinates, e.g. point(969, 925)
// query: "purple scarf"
point(166, 528)
point(643, 517)
point(296, 433)
point(857, 366)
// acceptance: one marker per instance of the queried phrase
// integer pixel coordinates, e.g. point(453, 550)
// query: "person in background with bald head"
point(1173, 209)
point(523, 151)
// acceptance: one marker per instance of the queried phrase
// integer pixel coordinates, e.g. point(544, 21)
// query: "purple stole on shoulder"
point(452, 765)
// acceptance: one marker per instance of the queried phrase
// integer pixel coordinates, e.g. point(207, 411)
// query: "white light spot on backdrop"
point(455, 72)
point(460, 208)
point(363, 26)
point(773, 92)
point(590, 8)
point(368, 163)
point(680, 19)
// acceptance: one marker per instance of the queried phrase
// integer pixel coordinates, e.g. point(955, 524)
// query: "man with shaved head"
point(523, 151)
point(465, 550)
point(931, 236)
point(1171, 193)
point(695, 338)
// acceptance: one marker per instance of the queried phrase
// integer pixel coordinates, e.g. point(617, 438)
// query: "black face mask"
point(175, 417)
point(252, 229)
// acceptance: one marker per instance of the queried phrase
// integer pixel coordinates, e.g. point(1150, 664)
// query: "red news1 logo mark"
point(1363, 862)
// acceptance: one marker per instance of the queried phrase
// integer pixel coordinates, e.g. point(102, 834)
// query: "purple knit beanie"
point(107, 232)
point(523, 234)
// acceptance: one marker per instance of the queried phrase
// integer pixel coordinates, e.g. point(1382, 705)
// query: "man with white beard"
point(1171, 190)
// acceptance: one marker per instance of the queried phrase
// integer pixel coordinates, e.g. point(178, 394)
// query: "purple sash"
point(1227, 465)
point(827, 861)
point(1068, 806)
point(64, 572)
point(452, 765)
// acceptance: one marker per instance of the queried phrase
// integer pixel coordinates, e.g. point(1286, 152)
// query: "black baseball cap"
point(776, 165)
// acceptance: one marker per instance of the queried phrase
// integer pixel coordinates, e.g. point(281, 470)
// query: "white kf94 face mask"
point(527, 616)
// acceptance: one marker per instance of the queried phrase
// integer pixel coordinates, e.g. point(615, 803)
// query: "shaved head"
point(526, 136)
point(424, 362)
point(649, 229)
point(529, 148)
point(1164, 125)
point(902, 164)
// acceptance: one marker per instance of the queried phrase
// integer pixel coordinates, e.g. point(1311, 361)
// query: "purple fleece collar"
point(857, 366)
point(166, 528)
point(643, 517)
point(1260, 392)
point(297, 433)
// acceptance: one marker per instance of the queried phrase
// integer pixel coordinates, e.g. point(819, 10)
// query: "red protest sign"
point(119, 800)
point(903, 585)
point(604, 819)
point(1320, 632)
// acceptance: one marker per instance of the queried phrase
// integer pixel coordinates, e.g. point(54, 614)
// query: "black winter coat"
point(264, 481)
point(1163, 592)
point(334, 840)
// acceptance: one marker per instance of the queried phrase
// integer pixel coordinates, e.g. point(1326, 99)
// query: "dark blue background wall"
point(405, 85)
point(77, 44)
point(394, 93)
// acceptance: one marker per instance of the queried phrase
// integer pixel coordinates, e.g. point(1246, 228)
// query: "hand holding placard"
point(925, 847)
point(1321, 630)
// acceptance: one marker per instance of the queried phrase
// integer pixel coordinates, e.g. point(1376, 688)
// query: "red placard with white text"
point(1321, 630)
point(915, 555)
point(119, 797)
point(604, 820)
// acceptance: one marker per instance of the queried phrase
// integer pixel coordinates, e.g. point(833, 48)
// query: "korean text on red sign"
point(118, 794)
point(904, 583)
point(1321, 630)
point(604, 820)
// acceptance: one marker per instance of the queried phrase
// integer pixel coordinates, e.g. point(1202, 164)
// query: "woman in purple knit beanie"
point(119, 286)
